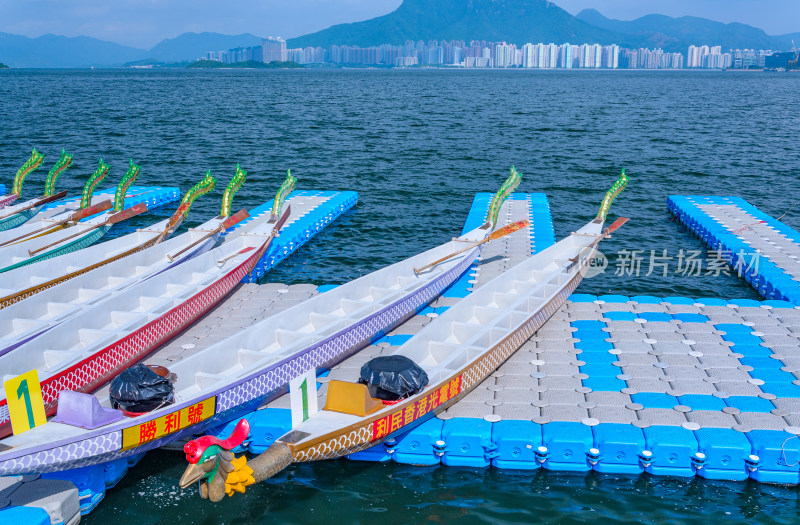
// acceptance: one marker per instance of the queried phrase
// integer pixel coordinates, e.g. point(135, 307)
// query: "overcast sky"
point(144, 23)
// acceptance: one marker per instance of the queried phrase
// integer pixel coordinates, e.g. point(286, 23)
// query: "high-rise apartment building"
point(274, 49)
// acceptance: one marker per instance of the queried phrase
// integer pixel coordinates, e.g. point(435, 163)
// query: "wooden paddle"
point(502, 232)
point(275, 230)
point(228, 223)
point(41, 202)
point(75, 217)
point(114, 219)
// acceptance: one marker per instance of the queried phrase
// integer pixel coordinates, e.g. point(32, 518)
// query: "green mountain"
point(677, 34)
point(191, 46)
point(514, 21)
point(61, 51)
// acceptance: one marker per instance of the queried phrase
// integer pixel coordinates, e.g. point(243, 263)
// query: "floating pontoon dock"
point(671, 386)
point(760, 248)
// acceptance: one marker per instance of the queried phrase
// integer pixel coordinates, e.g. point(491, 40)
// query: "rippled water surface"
point(417, 145)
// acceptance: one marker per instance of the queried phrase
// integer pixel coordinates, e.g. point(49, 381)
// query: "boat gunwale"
point(365, 423)
point(118, 427)
point(101, 353)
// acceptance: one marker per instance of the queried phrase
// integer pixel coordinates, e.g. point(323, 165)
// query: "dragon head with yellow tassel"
point(215, 467)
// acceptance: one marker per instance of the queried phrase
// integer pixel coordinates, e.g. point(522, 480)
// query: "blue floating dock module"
point(726, 454)
point(618, 446)
point(778, 455)
point(568, 444)
point(517, 443)
point(541, 230)
point(266, 426)
point(2, 189)
point(153, 196)
point(25, 516)
point(34, 500)
point(295, 234)
point(422, 445)
point(673, 449)
point(468, 442)
point(773, 276)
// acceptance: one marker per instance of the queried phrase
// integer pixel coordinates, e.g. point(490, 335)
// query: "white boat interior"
point(39, 312)
point(51, 216)
point(19, 252)
point(108, 321)
point(274, 339)
point(470, 329)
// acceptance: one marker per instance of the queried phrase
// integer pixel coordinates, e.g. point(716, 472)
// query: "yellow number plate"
point(24, 396)
point(140, 434)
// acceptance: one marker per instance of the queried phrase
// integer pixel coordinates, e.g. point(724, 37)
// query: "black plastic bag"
point(393, 377)
point(139, 389)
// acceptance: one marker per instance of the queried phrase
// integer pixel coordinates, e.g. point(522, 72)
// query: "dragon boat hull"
point(224, 397)
point(458, 351)
point(8, 200)
point(462, 348)
point(22, 321)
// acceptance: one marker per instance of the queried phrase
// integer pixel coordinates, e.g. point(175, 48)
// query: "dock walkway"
point(760, 248)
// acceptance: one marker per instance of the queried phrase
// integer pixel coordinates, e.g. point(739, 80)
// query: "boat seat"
point(350, 398)
point(84, 411)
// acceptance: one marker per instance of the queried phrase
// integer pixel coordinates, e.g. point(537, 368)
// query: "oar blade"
point(235, 219)
point(283, 219)
point(511, 228)
point(91, 210)
point(46, 200)
point(617, 224)
point(127, 214)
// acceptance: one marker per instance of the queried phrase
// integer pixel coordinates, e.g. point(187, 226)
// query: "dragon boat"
point(62, 213)
point(121, 263)
point(25, 282)
point(229, 379)
point(13, 214)
point(74, 235)
point(86, 351)
point(451, 356)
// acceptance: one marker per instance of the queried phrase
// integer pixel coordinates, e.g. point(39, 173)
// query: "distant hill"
point(61, 51)
point(3, 66)
point(191, 46)
point(678, 33)
point(515, 21)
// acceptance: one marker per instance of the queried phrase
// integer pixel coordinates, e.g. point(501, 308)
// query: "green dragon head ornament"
point(500, 197)
point(30, 165)
point(611, 194)
point(50, 183)
point(95, 179)
point(233, 186)
point(122, 189)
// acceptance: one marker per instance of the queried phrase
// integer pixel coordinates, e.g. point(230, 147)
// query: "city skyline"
point(496, 55)
point(159, 20)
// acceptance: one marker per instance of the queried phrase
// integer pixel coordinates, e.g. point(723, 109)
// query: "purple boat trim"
point(244, 396)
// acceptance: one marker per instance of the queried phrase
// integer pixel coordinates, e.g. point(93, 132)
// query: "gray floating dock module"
point(761, 249)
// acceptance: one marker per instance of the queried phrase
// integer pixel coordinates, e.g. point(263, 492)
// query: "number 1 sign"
point(303, 396)
point(24, 396)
